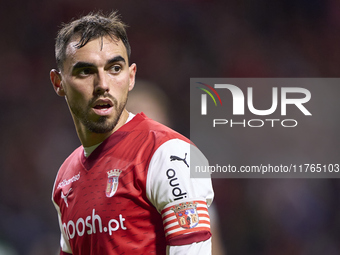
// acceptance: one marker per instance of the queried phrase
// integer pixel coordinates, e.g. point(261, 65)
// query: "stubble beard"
point(103, 124)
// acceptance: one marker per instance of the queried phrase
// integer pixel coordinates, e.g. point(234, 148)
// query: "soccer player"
point(127, 189)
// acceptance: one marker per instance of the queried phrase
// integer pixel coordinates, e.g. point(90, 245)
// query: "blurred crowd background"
point(172, 41)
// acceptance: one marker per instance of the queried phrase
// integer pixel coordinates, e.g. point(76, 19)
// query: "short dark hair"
point(91, 26)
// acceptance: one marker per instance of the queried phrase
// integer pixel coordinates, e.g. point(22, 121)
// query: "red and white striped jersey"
point(134, 195)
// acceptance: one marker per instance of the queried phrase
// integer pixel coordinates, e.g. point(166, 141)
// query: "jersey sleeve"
point(182, 201)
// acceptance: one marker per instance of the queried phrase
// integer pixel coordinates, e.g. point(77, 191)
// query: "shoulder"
point(158, 131)
point(169, 176)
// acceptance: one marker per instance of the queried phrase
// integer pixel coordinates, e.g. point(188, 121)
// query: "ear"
point(132, 73)
point(55, 77)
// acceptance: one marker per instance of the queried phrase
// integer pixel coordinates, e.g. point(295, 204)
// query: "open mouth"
point(102, 106)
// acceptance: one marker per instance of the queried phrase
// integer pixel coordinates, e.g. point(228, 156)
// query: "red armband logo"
point(184, 218)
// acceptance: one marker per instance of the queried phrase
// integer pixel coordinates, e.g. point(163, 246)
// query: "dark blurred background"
point(171, 40)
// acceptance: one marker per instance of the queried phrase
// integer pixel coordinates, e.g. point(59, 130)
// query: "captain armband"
point(186, 222)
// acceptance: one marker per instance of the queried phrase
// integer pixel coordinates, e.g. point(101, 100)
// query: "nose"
point(101, 85)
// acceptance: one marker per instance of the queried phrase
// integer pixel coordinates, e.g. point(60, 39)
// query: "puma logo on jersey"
point(65, 196)
point(172, 158)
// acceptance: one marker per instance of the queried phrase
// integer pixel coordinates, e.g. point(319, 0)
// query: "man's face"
point(96, 80)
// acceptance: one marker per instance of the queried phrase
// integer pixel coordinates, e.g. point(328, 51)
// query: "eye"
point(116, 69)
point(85, 72)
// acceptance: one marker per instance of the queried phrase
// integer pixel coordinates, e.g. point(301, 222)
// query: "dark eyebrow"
point(79, 65)
point(116, 59)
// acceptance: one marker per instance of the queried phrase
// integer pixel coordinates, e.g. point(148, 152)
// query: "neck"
point(88, 138)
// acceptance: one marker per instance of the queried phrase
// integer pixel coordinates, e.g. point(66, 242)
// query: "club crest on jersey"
point(112, 182)
point(186, 214)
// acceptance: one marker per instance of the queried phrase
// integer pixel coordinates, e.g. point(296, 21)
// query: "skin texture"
point(95, 81)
